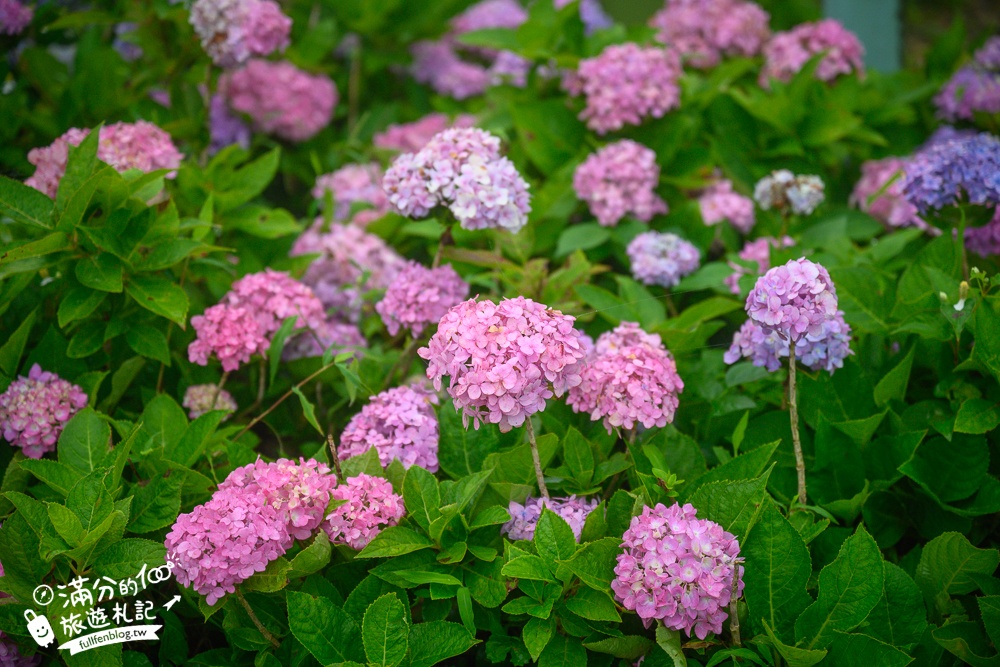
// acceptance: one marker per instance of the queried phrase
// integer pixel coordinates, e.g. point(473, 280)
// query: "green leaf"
point(465, 609)
point(249, 180)
point(849, 588)
point(949, 470)
point(949, 564)
point(581, 237)
point(58, 476)
point(421, 496)
point(670, 642)
point(744, 466)
point(893, 384)
point(563, 651)
point(367, 463)
point(629, 647)
point(125, 558)
point(156, 505)
point(54, 242)
point(735, 506)
point(536, 635)
point(78, 303)
point(549, 132)
point(854, 650)
point(578, 456)
point(159, 295)
point(278, 346)
point(149, 342)
point(491, 516)
point(795, 657)
point(25, 204)
point(432, 642)
point(989, 608)
point(385, 631)
point(163, 424)
point(395, 541)
point(899, 618)
point(419, 577)
point(90, 500)
point(325, 629)
point(594, 606)
point(313, 558)
point(977, 416)
point(309, 411)
point(84, 441)
point(101, 272)
point(13, 348)
point(554, 540)
point(261, 221)
point(965, 640)
point(66, 523)
point(462, 451)
point(528, 567)
point(594, 562)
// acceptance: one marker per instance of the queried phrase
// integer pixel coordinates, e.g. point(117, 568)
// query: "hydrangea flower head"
point(718, 202)
point(619, 179)
point(678, 569)
point(419, 296)
point(704, 31)
point(625, 85)
point(231, 31)
point(795, 299)
point(462, 169)
point(505, 359)
point(34, 410)
point(879, 193)
point(371, 506)
point(974, 88)
point(824, 350)
point(202, 398)
point(10, 654)
point(940, 174)
point(662, 258)
point(230, 333)
point(985, 240)
point(140, 145)
point(755, 251)
point(280, 98)
point(14, 16)
point(787, 52)
point(272, 296)
point(322, 336)
point(411, 137)
point(628, 379)
point(224, 127)
point(524, 518)
point(400, 424)
point(354, 183)
point(783, 190)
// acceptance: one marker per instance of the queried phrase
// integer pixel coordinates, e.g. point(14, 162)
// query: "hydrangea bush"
point(406, 333)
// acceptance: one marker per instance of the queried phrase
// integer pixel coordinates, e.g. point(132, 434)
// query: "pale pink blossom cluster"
point(824, 350)
point(787, 52)
point(662, 258)
point(630, 378)
point(705, 31)
point(231, 31)
point(462, 169)
point(620, 179)
point(879, 192)
point(140, 145)
point(280, 98)
point(253, 518)
point(14, 16)
point(719, 202)
point(678, 569)
point(202, 398)
point(783, 190)
point(371, 506)
point(324, 335)
point(419, 296)
point(625, 85)
point(34, 410)
point(411, 137)
point(758, 251)
point(524, 518)
point(353, 184)
point(400, 424)
point(505, 359)
point(795, 299)
point(231, 334)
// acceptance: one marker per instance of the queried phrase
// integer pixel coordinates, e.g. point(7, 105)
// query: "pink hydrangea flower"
point(824, 350)
point(354, 183)
point(231, 31)
point(202, 398)
point(886, 203)
point(704, 31)
point(140, 145)
point(419, 296)
point(505, 359)
point(985, 240)
point(400, 424)
point(462, 169)
point(10, 654)
point(719, 202)
point(678, 569)
point(271, 297)
point(628, 379)
point(662, 258)
point(34, 410)
point(14, 17)
point(524, 518)
point(490, 14)
point(619, 179)
point(787, 52)
point(755, 251)
point(324, 335)
point(371, 506)
point(411, 137)
point(625, 85)
point(280, 98)
point(781, 189)
point(230, 333)
point(795, 299)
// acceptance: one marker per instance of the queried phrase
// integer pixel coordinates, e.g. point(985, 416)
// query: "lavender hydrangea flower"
point(524, 518)
point(400, 424)
point(371, 506)
point(34, 410)
point(10, 654)
point(939, 175)
point(824, 350)
point(704, 31)
point(678, 569)
point(226, 128)
point(783, 190)
point(202, 398)
point(974, 88)
point(619, 179)
point(662, 258)
point(419, 296)
point(795, 299)
point(985, 240)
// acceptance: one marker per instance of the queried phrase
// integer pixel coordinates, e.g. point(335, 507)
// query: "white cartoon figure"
point(39, 627)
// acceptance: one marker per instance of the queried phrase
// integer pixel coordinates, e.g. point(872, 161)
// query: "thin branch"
point(282, 399)
point(256, 621)
point(536, 458)
point(793, 405)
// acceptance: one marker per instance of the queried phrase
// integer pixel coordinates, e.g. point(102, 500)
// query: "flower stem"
point(800, 463)
point(218, 389)
point(282, 399)
point(256, 621)
point(536, 458)
point(333, 455)
point(734, 614)
point(961, 243)
point(446, 239)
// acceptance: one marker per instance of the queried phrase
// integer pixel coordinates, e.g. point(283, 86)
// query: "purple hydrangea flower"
point(34, 410)
point(371, 506)
point(662, 258)
point(400, 424)
point(524, 518)
point(419, 296)
point(795, 299)
point(322, 336)
point(226, 128)
point(619, 179)
point(940, 174)
point(202, 398)
point(10, 653)
point(974, 88)
point(781, 189)
point(825, 350)
point(985, 240)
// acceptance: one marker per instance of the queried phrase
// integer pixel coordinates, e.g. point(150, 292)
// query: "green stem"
point(282, 399)
point(800, 463)
point(256, 621)
point(536, 458)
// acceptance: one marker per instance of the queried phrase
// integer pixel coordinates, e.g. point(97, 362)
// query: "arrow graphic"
point(172, 602)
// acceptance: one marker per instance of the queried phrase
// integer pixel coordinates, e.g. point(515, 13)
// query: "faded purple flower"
point(524, 518)
point(202, 398)
point(662, 258)
point(34, 410)
point(419, 296)
point(400, 424)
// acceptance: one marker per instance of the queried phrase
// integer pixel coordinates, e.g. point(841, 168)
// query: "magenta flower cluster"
point(524, 518)
point(625, 85)
point(462, 169)
point(34, 410)
point(231, 31)
point(630, 378)
point(371, 506)
point(974, 88)
point(662, 258)
point(140, 145)
point(400, 424)
point(705, 31)
point(253, 518)
point(879, 192)
point(280, 98)
point(719, 202)
point(419, 296)
point(796, 299)
point(783, 190)
point(411, 137)
point(505, 359)
point(678, 569)
point(824, 350)
point(354, 184)
point(787, 52)
point(14, 16)
point(202, 398)
point(232, 334)
point(758, 251)
point(620, 179)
